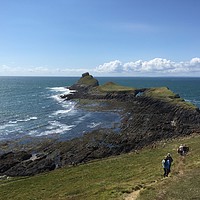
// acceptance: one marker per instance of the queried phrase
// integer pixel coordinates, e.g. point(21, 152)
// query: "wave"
point(22, 120)
point(2, 127)
point(193, 101)
point(93, 125)
point(62, 89)
point(82, 118)
point(59, 89)
point(59, 92)
point(68, 107)
point(64, 108)
point(60, 112)
point(54, 127)
point(33, 118)
point(57, 98)
point(196, 101)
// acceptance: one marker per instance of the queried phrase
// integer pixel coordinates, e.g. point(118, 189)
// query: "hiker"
point(165, 165)
point(170, 161)
point(180, 150)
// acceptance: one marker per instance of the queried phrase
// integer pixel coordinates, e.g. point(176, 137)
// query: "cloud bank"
point(156, 66)
point(6, 70)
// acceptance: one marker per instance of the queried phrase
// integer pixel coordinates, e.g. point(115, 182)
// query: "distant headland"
point(87, 87)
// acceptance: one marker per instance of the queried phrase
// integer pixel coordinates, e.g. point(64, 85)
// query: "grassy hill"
point(88, 80)
point(116, 177)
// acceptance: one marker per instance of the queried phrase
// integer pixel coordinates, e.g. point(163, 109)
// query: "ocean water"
point(31, 106)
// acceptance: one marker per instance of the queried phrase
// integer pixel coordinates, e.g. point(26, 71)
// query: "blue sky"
point(106, 38)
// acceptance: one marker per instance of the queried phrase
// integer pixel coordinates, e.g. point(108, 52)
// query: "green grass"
point(185, 180)
point(167, 95)
point(160, 92)
point(113, 87)
point(185, 187)
point(109, 178)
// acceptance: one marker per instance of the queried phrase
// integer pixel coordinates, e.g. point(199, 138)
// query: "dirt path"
point(133, 195)
point(180, 168)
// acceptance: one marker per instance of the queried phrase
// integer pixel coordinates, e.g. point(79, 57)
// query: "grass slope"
point(166, 94)
point(111, 178)
point(113, 87)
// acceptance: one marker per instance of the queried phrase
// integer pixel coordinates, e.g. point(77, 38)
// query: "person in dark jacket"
point(166, 166)
point(169, 157)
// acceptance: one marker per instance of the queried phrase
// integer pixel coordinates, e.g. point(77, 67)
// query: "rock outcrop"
point(82, 87)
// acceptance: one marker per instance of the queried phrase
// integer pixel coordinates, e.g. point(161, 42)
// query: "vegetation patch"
point(185, 187)
point(113, 177)
point(161, 92)
point(113, 87)
point(166, 94)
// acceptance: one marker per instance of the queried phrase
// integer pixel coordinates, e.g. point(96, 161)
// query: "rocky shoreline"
point(145, 119)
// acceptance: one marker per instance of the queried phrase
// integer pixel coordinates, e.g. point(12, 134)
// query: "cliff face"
point(149, 120)
point(148, 115)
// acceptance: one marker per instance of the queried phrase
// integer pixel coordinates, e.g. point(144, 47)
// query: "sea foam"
point(54, 127)
point(62, 89)
point(93, 125)
point(22, 120)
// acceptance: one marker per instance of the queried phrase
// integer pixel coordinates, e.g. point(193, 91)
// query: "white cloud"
point(194, 65)
point(37, 69)
point(156, 66)
point(113, 67)
point(195, 61)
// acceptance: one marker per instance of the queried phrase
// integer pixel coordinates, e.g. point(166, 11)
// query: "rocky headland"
point(148, 115)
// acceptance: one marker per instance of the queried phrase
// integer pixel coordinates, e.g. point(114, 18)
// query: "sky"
point(102, 37)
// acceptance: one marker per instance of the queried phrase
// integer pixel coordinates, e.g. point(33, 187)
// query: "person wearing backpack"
point(166, 166)
point(169, 157)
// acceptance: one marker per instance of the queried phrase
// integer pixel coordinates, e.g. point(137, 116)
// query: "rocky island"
point(147, 115)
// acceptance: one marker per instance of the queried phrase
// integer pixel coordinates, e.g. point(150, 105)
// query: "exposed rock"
point(10, 159)
point(21, 164)
point(85, 74)
point(31, 168)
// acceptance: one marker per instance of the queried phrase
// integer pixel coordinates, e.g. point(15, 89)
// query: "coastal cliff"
point(148, 115)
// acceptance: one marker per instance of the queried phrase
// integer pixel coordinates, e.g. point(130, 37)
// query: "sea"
point(32, 107)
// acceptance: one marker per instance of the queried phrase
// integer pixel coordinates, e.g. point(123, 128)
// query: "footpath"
point(179, 170)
